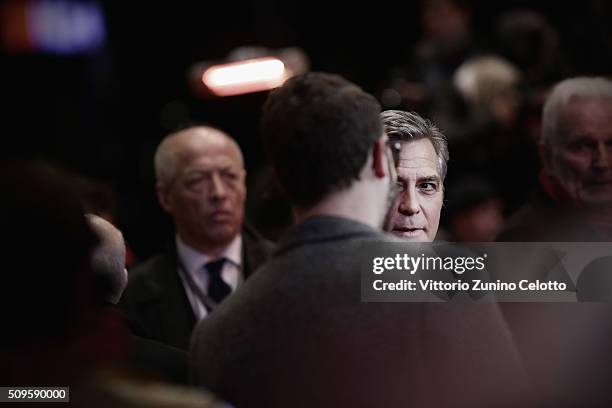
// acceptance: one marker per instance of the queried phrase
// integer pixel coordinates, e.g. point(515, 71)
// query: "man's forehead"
point(417, 154)
point(587, 114)
point(195, 145)
point(418, 173)
point(210, 162)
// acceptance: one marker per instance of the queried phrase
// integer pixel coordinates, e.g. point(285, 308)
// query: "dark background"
point(102, 115)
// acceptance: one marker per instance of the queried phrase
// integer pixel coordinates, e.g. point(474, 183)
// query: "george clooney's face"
point(416, 213)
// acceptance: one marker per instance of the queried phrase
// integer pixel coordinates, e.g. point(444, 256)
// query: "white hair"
point(165, 159)
point(481, 79)
point(562, 94)
point(108, 258)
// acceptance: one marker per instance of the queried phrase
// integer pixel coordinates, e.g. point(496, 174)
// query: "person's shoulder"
point(171, 362)
point(224, 338)
point(149, 278)
point(538, 222)
point(152, 266)
point(251, 236)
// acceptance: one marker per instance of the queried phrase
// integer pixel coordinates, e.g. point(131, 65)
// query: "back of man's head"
point(318, 129)
point(108, 260)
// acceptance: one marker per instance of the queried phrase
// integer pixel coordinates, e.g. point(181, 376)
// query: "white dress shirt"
point(194, 262)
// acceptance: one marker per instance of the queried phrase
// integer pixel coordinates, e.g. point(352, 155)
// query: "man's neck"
point(209, 250)
point(355, 203)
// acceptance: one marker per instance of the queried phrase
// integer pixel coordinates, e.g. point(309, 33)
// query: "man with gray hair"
point(574, 201)
point(201, 185)
point(573, 204)
point(421, 155)
point(298, 333)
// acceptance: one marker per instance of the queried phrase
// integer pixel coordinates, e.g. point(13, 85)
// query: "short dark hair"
point(317, 130)
point(403, 126)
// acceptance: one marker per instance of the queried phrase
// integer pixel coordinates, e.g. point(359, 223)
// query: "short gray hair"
point(167, 151)
point(563, 93)
point(108, 258)
point(403, 126)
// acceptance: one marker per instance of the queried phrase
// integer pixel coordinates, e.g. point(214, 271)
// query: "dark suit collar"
point(161, 274)
point(324, 228)
point(255, 250)
point(166, 299)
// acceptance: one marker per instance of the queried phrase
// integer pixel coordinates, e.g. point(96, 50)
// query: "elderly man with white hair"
point(201, 185)
point(566, 346)
point(574, 202)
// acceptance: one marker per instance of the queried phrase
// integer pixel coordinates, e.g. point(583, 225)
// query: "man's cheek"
point(395, 215)
point(576, 162)
point(569, 169)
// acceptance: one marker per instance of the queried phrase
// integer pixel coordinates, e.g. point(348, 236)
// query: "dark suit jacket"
point(561, 342)
point(157, 359)
point(543, 220)
point(298, 335)
point(148, 357)
point(155, 300)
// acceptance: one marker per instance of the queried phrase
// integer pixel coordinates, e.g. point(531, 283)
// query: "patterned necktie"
point(217, 288)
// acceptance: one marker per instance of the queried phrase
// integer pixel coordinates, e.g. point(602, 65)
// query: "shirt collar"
point(193, 259)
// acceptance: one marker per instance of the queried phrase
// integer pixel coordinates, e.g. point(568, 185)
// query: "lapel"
point(255, 250)
point(168, 301)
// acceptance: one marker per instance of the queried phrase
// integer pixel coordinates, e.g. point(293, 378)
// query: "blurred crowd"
point(483, 82)
point(479, 140)
point(487, 96)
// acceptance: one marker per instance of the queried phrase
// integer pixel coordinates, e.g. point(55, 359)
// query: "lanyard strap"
point(206, 300)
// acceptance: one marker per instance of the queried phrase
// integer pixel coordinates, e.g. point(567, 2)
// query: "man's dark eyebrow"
point(426, 179)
